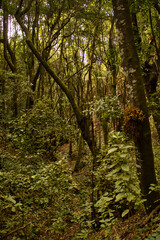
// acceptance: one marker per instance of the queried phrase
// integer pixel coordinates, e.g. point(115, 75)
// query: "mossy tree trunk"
point(131, 66)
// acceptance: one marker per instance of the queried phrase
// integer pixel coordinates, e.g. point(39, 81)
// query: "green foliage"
point(13, 84)
point(35, 194)
point(33, 198)
point(153, 104)
point(108, 107)
point(118, 187)
point(40, 130)
point(150, 231)
point(155, 188)
point(154, 236)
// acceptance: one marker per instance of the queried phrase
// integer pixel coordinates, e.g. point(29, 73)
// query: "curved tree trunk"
point(131, 66)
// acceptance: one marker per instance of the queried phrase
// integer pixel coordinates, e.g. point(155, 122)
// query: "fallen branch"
point(150, 215)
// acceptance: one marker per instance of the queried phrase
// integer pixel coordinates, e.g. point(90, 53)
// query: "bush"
point(33, 199)
point(40, 130)
point(118, 188)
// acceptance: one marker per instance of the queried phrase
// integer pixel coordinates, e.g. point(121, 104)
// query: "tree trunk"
point(10, 59)
point(104, 122)
point(80, 148)
point(2, 102)
point(151, 75)
point(131, 66)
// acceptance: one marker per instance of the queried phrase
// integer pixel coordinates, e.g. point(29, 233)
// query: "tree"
point(11, 58)
point(131, 67)
point(84, 123)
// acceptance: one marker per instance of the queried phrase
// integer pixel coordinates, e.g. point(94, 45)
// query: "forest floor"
point(136, 226)
point(129, 229)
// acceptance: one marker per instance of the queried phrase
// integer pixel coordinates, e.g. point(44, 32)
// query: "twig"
point(150, 215)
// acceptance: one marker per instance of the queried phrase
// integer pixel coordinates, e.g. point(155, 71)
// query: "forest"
point(79, 119)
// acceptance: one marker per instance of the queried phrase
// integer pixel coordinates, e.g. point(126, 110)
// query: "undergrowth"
point(44, 199)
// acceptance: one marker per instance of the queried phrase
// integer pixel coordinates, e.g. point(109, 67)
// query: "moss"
point(133, 121)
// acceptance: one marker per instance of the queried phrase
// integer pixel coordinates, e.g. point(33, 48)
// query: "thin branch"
point(77, 71)
point(20, 12)
point(150, 215)
point(11, 53)
point(20, 7)
point(153, 35)
point(57, 18)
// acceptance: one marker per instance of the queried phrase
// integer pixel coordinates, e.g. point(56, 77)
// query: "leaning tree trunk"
point(131, 66)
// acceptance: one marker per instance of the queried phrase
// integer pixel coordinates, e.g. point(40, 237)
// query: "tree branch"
point(156, 5)
point(150, 215)
point(11, 53)
point(21, 13)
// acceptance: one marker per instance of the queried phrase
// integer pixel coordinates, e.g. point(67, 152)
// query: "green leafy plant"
point(40, 130)
point(108, 107)
point(119, 188)
point(27, 194)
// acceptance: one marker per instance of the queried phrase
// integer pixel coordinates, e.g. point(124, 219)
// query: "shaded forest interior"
point(80, 119)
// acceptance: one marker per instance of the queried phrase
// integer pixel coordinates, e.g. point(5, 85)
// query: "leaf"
point(10, 198)
point(123, 155)
point(108, 199)
point(129, 146)
point(125, 177)
point(18, 205)
point(118, 183)
point(125, 212)
point(33, 176)
point(130, 197)
point(125, 167)
point(120, 196)
point(112, 150)
point(13, 209)
point(112, 165)
point(114, 171)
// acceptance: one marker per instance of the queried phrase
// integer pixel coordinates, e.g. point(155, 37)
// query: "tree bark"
point(131, 66)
